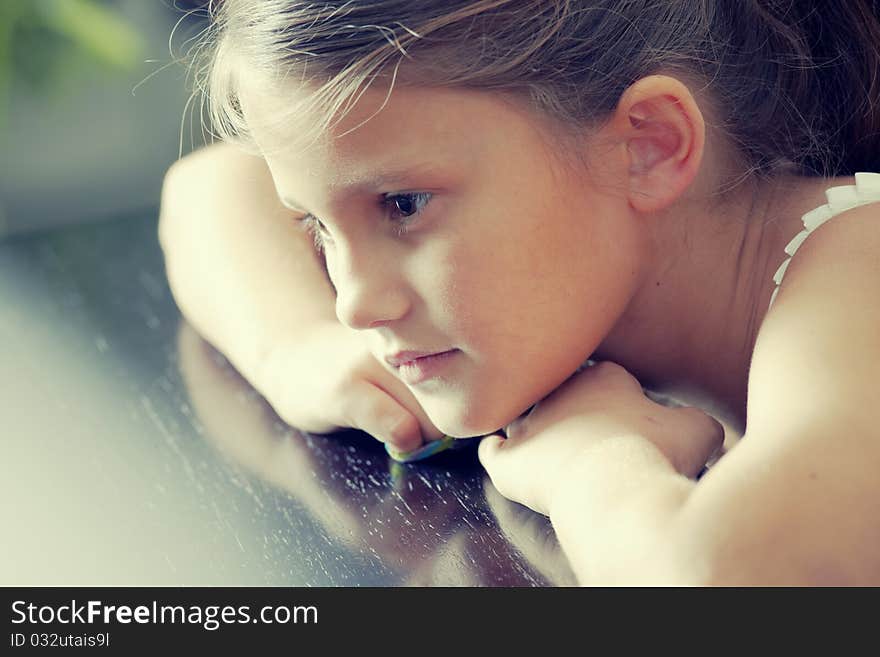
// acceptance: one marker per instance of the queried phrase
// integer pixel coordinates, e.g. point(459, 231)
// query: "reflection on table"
point(430, 523)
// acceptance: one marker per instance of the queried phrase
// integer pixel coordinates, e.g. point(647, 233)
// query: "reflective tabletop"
point(136, 455)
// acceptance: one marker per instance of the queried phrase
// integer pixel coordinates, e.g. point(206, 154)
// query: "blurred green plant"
point(39, 38)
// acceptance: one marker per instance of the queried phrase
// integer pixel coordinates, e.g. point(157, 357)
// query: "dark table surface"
point(136, 455)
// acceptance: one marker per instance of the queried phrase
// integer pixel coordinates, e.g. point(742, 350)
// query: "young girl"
point(500, 190)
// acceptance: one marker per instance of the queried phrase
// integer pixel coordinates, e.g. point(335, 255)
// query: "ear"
point(664, 133)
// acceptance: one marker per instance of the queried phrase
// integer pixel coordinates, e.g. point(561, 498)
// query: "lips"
point(408, 357)
point(415, 367)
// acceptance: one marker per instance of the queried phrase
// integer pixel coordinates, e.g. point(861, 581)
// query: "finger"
point(490, 452)
point(508, 469)
point(714, 438)
point(398, 391)
point(612, 374)
point(706, 438)
point(373, 410)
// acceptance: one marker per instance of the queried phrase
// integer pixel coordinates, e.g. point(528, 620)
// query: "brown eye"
point(405, 205)
point(402, 206)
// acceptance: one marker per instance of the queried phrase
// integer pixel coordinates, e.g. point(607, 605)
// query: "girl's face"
point(450, 227)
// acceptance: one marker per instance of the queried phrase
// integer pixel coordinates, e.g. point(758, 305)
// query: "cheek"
point(506, 282)
point(540, 278)
point(472, 295)
point(457, 280)
point(532, 273)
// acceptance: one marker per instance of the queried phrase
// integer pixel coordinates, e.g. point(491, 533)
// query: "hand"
point(600, 403)
point(327, 380)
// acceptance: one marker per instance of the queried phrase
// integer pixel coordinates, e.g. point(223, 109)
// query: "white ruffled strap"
point(840, 199)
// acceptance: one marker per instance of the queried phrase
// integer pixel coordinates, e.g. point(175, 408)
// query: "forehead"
point(382, 131)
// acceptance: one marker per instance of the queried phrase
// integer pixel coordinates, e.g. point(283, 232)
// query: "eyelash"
point(319, 233)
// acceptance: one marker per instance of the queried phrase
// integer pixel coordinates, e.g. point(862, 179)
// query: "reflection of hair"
point(793, 84)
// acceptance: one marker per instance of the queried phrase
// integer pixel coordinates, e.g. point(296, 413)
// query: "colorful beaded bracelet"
point(423, 452)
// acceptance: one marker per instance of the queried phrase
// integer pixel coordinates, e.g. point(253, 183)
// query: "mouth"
point(414, 367)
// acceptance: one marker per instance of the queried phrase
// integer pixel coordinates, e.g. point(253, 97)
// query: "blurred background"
point(92, 106)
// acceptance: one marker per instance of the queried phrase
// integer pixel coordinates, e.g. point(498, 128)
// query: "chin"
point(455, 427)
point(469, 422)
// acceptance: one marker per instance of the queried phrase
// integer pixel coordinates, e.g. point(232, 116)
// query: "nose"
point(369, 289)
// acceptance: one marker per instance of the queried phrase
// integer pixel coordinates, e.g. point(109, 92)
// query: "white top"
point(840, 199)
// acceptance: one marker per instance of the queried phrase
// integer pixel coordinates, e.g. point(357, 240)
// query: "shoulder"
point(818, 349)
point(842, 254)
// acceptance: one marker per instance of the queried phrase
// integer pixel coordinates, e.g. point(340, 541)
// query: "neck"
point(690, 328)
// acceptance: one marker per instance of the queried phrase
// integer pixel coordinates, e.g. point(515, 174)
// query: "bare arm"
point(241, 272)
point(796, 502)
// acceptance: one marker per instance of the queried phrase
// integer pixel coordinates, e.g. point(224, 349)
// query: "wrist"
point(611, 476)
point(614, 511)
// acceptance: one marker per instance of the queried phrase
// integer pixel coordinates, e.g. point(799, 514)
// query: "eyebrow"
point(371, 183)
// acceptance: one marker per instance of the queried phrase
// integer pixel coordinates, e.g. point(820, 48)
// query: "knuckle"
point(613, 374)
point(715, 432)
point(296, 417)
point(606, 367)
point(289, 407)
point(399, 428)
point(708, 425)
point(610, 370)
point(708, 431)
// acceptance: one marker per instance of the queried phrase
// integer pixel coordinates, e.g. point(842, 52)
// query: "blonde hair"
point(786, 98)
